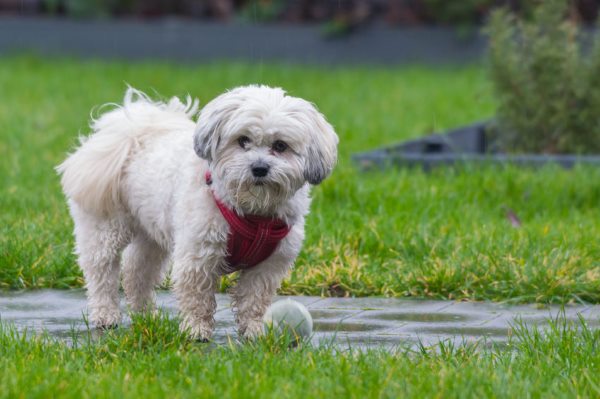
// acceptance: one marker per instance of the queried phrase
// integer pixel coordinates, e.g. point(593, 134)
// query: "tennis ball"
point(289, 316)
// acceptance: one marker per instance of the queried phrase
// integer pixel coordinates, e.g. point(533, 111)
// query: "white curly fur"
point(136, 192)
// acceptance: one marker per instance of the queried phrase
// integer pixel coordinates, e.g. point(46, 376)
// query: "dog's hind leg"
point(99, 242)
point(143, 267)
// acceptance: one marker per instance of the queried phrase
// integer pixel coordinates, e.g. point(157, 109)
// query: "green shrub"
point(262, 11)
point(460, 13)
point(547, 88)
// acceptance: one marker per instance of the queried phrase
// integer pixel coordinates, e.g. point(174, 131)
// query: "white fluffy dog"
point(150, 187)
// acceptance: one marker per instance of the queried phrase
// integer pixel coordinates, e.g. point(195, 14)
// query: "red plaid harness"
point(252, 239)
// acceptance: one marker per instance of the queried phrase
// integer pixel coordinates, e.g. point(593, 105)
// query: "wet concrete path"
point(360, 322)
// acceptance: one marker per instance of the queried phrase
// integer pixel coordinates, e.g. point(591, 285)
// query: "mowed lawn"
point(397, 233)
point(153, 360)
point(393, 233)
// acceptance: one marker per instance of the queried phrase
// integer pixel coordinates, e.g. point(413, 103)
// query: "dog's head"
point(264, 145)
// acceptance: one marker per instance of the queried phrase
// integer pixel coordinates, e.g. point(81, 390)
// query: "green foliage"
point(548, 90)
point(85, 8)
point(461, 13)
point(262, 10)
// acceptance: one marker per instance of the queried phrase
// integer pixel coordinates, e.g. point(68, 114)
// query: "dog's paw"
point(105, 319)
point(107, 327)
point(196, 330)
point(253, 330)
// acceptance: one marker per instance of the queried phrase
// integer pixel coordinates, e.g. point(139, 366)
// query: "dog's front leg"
point(195, 286)
point(253, 295)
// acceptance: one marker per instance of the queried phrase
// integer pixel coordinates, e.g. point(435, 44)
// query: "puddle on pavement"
point(373, 341)
point(421, 317)
point(330, 314)
point(24, 307)
point(61, 312)
point(468, 331)
point(225, 323)
point(345, 327)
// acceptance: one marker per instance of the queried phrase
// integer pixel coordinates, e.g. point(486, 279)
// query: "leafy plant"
point(547, 87)
point(262, 10)
point(465, 12)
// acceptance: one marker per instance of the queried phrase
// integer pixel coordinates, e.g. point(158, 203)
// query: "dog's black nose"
point(260, 169)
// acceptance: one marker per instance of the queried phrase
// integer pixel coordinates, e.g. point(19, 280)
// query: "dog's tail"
point(91, 175)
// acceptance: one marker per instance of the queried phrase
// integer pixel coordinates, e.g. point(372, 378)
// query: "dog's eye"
point(279, 146)
point(242, 141)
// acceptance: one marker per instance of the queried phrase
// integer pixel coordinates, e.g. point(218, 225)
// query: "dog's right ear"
point(213, 117)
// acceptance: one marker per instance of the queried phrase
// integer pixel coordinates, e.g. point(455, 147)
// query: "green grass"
point(393, 233)
point(152, 359)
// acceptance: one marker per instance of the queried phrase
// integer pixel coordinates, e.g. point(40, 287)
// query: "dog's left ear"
point(213, 117)
point(322, 149)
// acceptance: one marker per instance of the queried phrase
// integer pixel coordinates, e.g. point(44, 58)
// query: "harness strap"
point(252, 239)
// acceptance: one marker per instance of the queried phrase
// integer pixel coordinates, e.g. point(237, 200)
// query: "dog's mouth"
point(257, 195)
point(262, 186)
point(260, 181)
